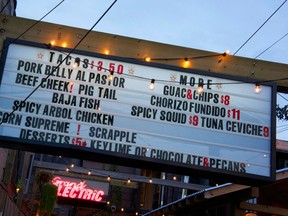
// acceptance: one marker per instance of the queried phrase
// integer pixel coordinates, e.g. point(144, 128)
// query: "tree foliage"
point(48, 199)
point(282, 112)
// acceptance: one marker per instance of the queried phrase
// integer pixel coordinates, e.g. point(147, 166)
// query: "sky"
point(206, 25)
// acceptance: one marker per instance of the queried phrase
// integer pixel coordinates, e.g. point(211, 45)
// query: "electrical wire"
point(283, 97)
point(64, 59)
point(259, 28)
point(34, 24)
point(282, 129)
point(271, 45)
point(5, 6)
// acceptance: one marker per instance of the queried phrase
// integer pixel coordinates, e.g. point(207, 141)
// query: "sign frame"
point(134, 161)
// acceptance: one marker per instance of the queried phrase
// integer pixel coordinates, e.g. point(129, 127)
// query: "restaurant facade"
point(129, 133)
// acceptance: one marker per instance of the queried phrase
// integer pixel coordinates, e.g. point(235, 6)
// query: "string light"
point(200, 88)
point(76, 63)
point(67, 169)
point(186, 62)
point(72, 165)
point(152, 84)
point(150, 180)
point(257, 88)
point(174, 178)
point(108, 178)
point(147, 59)
point(64, 44)
point(17, 190)
point(111, 76)
point(129, 180)
point(226, 53)
point(52, 43)
point(89, 172)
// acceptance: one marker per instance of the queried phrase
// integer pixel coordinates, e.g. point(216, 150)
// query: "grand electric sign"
point(228, 128)
point(81, 189)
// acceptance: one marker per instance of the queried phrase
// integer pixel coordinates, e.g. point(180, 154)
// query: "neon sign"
point(76, 190)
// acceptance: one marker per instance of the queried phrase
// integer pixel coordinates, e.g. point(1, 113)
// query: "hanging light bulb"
point(226, 53)
point(67, 169)
point(147, 59)
point(89, 172)
point(111, 76)
point(52, 43)
point(150, 180)
point(200, 88)
point(72, 165)
point(152, 84)
point(186, 62)
point(64, 44)
point(129, 180)
point(106, 52)
point(108, 178)
point(223, 54)
point(76, 63)
point(257, 88)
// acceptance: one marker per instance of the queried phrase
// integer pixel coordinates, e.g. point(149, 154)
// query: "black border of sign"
point(134, 161)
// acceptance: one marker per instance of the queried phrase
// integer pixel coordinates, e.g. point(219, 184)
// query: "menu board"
point(45, 98)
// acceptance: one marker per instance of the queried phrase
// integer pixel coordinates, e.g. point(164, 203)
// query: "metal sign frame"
point(167, 108)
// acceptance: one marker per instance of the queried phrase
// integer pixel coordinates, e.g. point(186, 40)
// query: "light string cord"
point(259, 28)
point(180, 58)
point(64, 59)
point(34, 24)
